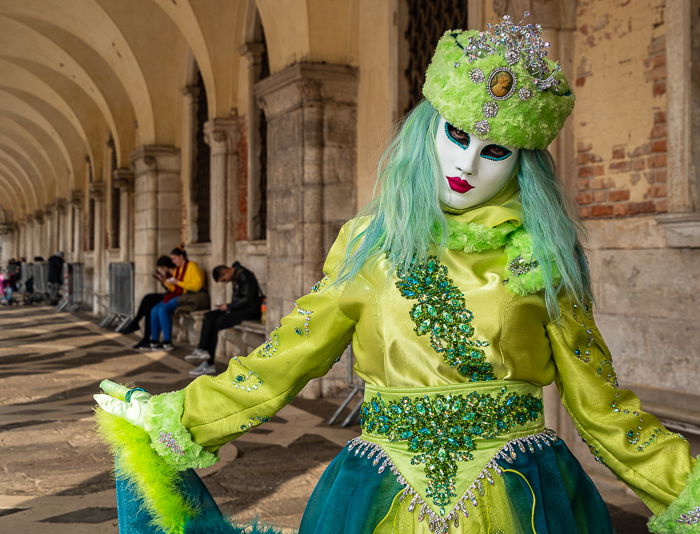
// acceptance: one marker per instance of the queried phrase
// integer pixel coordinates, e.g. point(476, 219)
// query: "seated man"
point(245, 304)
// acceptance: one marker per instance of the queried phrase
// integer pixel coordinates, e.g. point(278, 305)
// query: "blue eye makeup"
point(495, 152)
point(457, 136)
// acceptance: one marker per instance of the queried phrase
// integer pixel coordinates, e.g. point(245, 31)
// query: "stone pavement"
point(56, 474)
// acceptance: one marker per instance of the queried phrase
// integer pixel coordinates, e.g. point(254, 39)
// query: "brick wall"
point(620, 177)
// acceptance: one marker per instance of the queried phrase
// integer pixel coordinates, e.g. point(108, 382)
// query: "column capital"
point(190, 90)
point(29, 218)
point(222, 132)
point(123, 178)
point(251, 51)
point(49, 209)
point(97, 191)
point(76, 197)
point(39, 216)
point(302, 84)
point(155, 158)
point(61, 205)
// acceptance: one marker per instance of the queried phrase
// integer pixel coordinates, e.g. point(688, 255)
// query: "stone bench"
point(239, 340)
point(187, 327)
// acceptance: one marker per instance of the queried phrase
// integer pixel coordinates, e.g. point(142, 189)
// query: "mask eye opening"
point(451, 137)
point(495, 152)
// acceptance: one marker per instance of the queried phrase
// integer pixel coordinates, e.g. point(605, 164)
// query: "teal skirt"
point(352, 497)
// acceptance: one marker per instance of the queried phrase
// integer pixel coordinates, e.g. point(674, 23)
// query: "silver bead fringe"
point(436, 523)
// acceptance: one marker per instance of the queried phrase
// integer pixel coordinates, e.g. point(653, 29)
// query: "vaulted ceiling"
point(76, 73)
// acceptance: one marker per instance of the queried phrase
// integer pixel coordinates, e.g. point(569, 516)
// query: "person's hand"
point(222, 307)
point(129, 404)
point(174, 281)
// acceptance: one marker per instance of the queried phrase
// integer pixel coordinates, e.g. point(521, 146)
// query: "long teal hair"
point(405, 217)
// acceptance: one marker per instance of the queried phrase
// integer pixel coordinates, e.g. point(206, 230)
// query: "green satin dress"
point(454, 363)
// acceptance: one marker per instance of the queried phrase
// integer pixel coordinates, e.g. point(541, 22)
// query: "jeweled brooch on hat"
point(499, 84)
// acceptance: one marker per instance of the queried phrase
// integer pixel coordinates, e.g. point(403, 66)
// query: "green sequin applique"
point(318, 286)
point(306, 314)
point(268, 349)
point(441, 312)
point(254, 421)
point(441, 429)
point(248, 380)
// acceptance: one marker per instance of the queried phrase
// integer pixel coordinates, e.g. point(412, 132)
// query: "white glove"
point(115, 402)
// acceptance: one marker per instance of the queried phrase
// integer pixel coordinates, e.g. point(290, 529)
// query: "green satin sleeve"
point(253, 388)
point(652, 461)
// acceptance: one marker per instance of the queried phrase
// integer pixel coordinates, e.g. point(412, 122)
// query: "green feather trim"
point(473, 237)
point(154, 480)
point(524, 272)
point(687, 501)
point(169, 437)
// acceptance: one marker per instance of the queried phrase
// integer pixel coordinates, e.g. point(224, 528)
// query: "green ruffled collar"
point(523, 272)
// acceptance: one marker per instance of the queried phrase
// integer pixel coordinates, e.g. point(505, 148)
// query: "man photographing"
point(245, 305)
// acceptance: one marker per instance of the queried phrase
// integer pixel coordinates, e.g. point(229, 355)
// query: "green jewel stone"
point(440, 311)
point(432, 429)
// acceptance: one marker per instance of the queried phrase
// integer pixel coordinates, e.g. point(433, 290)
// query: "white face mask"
point(472, 169)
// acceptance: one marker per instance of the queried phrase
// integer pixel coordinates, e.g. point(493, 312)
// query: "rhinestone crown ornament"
point(515, 43)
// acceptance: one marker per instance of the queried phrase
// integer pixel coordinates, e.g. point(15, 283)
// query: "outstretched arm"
point(653, 461)
point(188, 426)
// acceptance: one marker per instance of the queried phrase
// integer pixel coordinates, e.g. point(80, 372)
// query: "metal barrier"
point(72, 300)
point(121, 295)
point(355, 388)
point(41, 280)
point(27, 274)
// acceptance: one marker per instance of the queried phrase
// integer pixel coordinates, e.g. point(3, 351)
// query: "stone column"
point(189, 120)
point(124, 180)
point(39, 242)
point(157, 210)
point(222, 136)
point(55, 232)
point(253, 54)
point(7, 242)
point(49, 230)
point(29, 237)
point(62, 226)
point(76, 225)
point(311, 114)
point(21, 238)
point(99, 284)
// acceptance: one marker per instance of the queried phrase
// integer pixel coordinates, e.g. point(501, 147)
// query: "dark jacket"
point(246, 290)
point(56, 269)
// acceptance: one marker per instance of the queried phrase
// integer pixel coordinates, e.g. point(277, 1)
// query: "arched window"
point(422, 25)
point(200, 163)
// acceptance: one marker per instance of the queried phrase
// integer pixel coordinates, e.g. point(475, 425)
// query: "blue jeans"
point(161, 319)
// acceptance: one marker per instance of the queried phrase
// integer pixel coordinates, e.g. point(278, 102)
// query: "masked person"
point(464, 290)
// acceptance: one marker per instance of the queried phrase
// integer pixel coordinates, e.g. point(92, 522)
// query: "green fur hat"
point(499, 84)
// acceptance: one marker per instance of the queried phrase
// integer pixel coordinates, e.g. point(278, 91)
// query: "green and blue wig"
point(406, 218)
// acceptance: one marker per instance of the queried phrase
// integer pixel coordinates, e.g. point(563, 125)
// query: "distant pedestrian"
point(246, 304)
point(55, 277)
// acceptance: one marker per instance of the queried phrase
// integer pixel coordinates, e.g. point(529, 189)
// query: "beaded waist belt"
point(441, 441)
